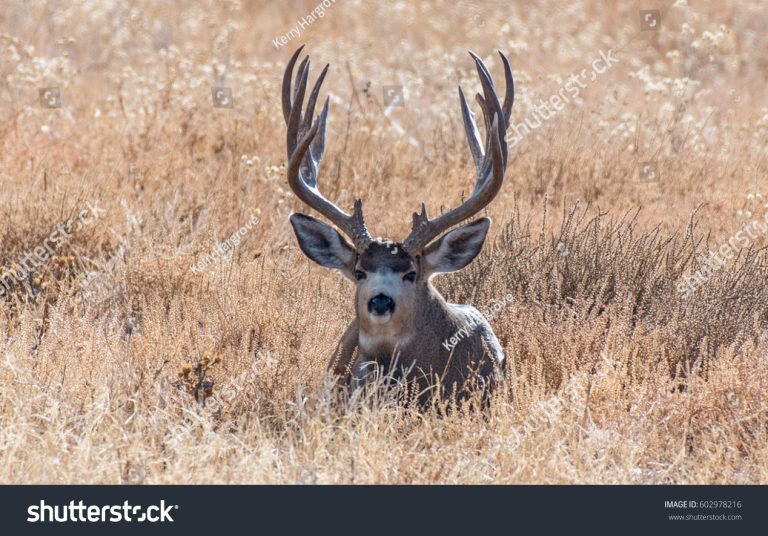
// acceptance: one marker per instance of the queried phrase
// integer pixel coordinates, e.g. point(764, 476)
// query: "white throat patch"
point(369, 343)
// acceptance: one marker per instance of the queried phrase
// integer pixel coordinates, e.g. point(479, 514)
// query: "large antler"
point(490, 162)
point(306, 144)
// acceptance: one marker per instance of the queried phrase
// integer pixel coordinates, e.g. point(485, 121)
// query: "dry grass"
point(614, 377)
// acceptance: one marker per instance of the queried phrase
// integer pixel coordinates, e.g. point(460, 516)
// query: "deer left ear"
point(321, 243)
point(456, 249)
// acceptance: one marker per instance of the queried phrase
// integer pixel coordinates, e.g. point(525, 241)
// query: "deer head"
point(392, 278)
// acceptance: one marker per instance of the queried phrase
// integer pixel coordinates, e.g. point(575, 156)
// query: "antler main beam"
point(306, 145)
point(490, 160)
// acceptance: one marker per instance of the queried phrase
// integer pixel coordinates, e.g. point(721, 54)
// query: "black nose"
point(381, 304)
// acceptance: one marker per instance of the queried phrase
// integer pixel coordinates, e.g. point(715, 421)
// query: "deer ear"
point(323, 244)
point(456, 249)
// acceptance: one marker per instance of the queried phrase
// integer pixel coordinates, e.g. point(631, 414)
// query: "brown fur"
point(418, 341)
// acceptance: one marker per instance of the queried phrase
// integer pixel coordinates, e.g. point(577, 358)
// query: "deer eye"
point(359, 275)
point(410, 277)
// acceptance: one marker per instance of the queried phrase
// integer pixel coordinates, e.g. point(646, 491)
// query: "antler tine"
point(294, 118)
point(286, 93)
point(315, 91)
point(305, 140)
point(473, 135)
point(509, 97)
point(490, 162)
point(489, 102)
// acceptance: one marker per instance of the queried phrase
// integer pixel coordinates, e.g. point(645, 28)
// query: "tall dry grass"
point(613, 377)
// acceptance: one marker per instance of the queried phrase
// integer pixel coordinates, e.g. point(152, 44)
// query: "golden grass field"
point(613, 377)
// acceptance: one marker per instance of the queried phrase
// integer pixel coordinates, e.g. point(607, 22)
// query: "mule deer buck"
point(402, 322)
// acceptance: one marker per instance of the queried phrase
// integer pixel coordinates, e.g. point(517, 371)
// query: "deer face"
point(390, 281)
point(392, 278)
point(386, 277)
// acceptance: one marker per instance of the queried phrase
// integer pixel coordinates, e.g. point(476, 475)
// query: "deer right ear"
point(457, 248)
point(321, 243)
